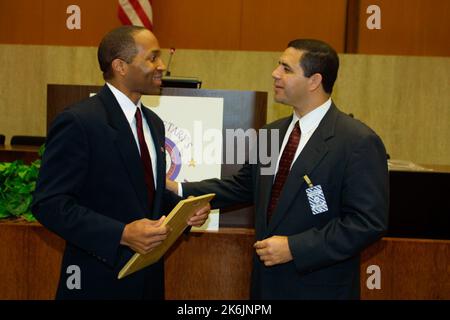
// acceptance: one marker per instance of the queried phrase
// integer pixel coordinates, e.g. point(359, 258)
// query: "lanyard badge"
point(316, 198)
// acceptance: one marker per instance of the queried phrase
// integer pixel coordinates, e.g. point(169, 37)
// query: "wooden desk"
point(417, 269)
point(30, 258)
point(438, 168)
point(27, 154)
point(217, 265)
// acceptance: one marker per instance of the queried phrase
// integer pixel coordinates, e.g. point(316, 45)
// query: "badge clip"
point(308, 181)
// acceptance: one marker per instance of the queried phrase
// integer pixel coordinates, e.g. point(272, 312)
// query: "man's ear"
point(315, 81)
point(119, 66)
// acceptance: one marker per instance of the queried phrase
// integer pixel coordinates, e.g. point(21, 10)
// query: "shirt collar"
point(127, 106)
point(312, 119)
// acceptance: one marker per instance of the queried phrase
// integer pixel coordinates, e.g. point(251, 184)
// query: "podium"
point(241, 110)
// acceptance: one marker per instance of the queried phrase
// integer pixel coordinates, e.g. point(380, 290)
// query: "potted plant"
point(17, 184)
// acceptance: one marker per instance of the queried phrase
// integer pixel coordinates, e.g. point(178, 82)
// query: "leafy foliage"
point(17, 183)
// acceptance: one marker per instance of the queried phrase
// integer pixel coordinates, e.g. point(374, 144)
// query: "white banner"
point(193, 139)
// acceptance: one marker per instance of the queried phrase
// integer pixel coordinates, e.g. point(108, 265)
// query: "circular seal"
point(174, 158)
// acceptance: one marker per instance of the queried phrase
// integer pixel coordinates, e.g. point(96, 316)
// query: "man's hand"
point(172, 186)
point(143, 235)
point(200, 217)
point(274, 250)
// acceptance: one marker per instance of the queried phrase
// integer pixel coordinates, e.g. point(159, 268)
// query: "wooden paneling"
point(394, 96)
point(404, 99)
point(30, 258)
point(410, 269)
point(352, 26)
point(269, 25)
point(13, 257)
point(23, 82)
point(44, 22)
point(58, 100)
point(44, 259)
point(214, 266)
point(194, 24)
point(218, 265)
point(21, 21)
point(408, 27)
point(27, 154)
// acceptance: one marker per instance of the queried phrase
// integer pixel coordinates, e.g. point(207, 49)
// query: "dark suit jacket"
point(349, 161)
point(90, 185)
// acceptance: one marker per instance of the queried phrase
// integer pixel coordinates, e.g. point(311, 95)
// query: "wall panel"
point(195, 24)
point(217, 265)
point(21, 21)
point(408, 27)
point(404, 99)
point(269, 25)
point(44, 22)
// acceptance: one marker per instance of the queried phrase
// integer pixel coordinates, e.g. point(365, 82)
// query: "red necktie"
point(283, 169)
point(145, 158)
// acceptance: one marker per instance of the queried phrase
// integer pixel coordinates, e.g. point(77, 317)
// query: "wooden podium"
point(241, 110)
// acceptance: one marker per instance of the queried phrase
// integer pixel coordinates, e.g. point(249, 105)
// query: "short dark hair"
point(118, 43)
point(318, 57)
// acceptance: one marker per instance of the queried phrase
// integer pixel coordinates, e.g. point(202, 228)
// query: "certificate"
point(177, 223)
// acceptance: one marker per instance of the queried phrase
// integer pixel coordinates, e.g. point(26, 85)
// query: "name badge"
point(316, 198)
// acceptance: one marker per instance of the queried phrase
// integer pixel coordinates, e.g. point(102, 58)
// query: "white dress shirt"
point(129, 109)
point(308, 124)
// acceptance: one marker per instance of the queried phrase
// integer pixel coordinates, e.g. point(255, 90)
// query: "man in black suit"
point(101, 186)
point(327, 198)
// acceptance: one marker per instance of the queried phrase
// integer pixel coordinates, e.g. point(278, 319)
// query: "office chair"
point(28, 140)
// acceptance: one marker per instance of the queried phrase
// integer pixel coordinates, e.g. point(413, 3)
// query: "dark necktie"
point(283, 169)
point(145, 158)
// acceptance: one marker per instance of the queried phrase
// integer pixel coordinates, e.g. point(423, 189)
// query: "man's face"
point(290, 84)
point(145, 71)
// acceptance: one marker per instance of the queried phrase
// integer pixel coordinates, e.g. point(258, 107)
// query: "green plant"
point(17, 183)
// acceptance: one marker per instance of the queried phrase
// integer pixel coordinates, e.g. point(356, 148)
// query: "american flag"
point(136, 12)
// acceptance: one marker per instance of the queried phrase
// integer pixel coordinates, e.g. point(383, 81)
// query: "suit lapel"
point(311, 155)
point(126, 144)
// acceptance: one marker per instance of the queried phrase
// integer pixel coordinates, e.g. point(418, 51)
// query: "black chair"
point(27, 140)
point(2, 139)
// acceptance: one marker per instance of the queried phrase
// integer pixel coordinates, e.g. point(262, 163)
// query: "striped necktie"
point(283, 168)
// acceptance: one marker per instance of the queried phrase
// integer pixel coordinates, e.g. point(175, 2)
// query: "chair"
point(2, 139)
point(28, 140)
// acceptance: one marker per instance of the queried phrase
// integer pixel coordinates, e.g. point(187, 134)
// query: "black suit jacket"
point(348, 160)
point(90, 185)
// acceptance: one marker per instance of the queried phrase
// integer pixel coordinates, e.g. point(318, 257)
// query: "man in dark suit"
point(101, 185)
point(327, 198)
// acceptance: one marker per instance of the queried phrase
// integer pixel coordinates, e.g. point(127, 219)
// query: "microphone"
point(172, 51)
point(178, 82)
